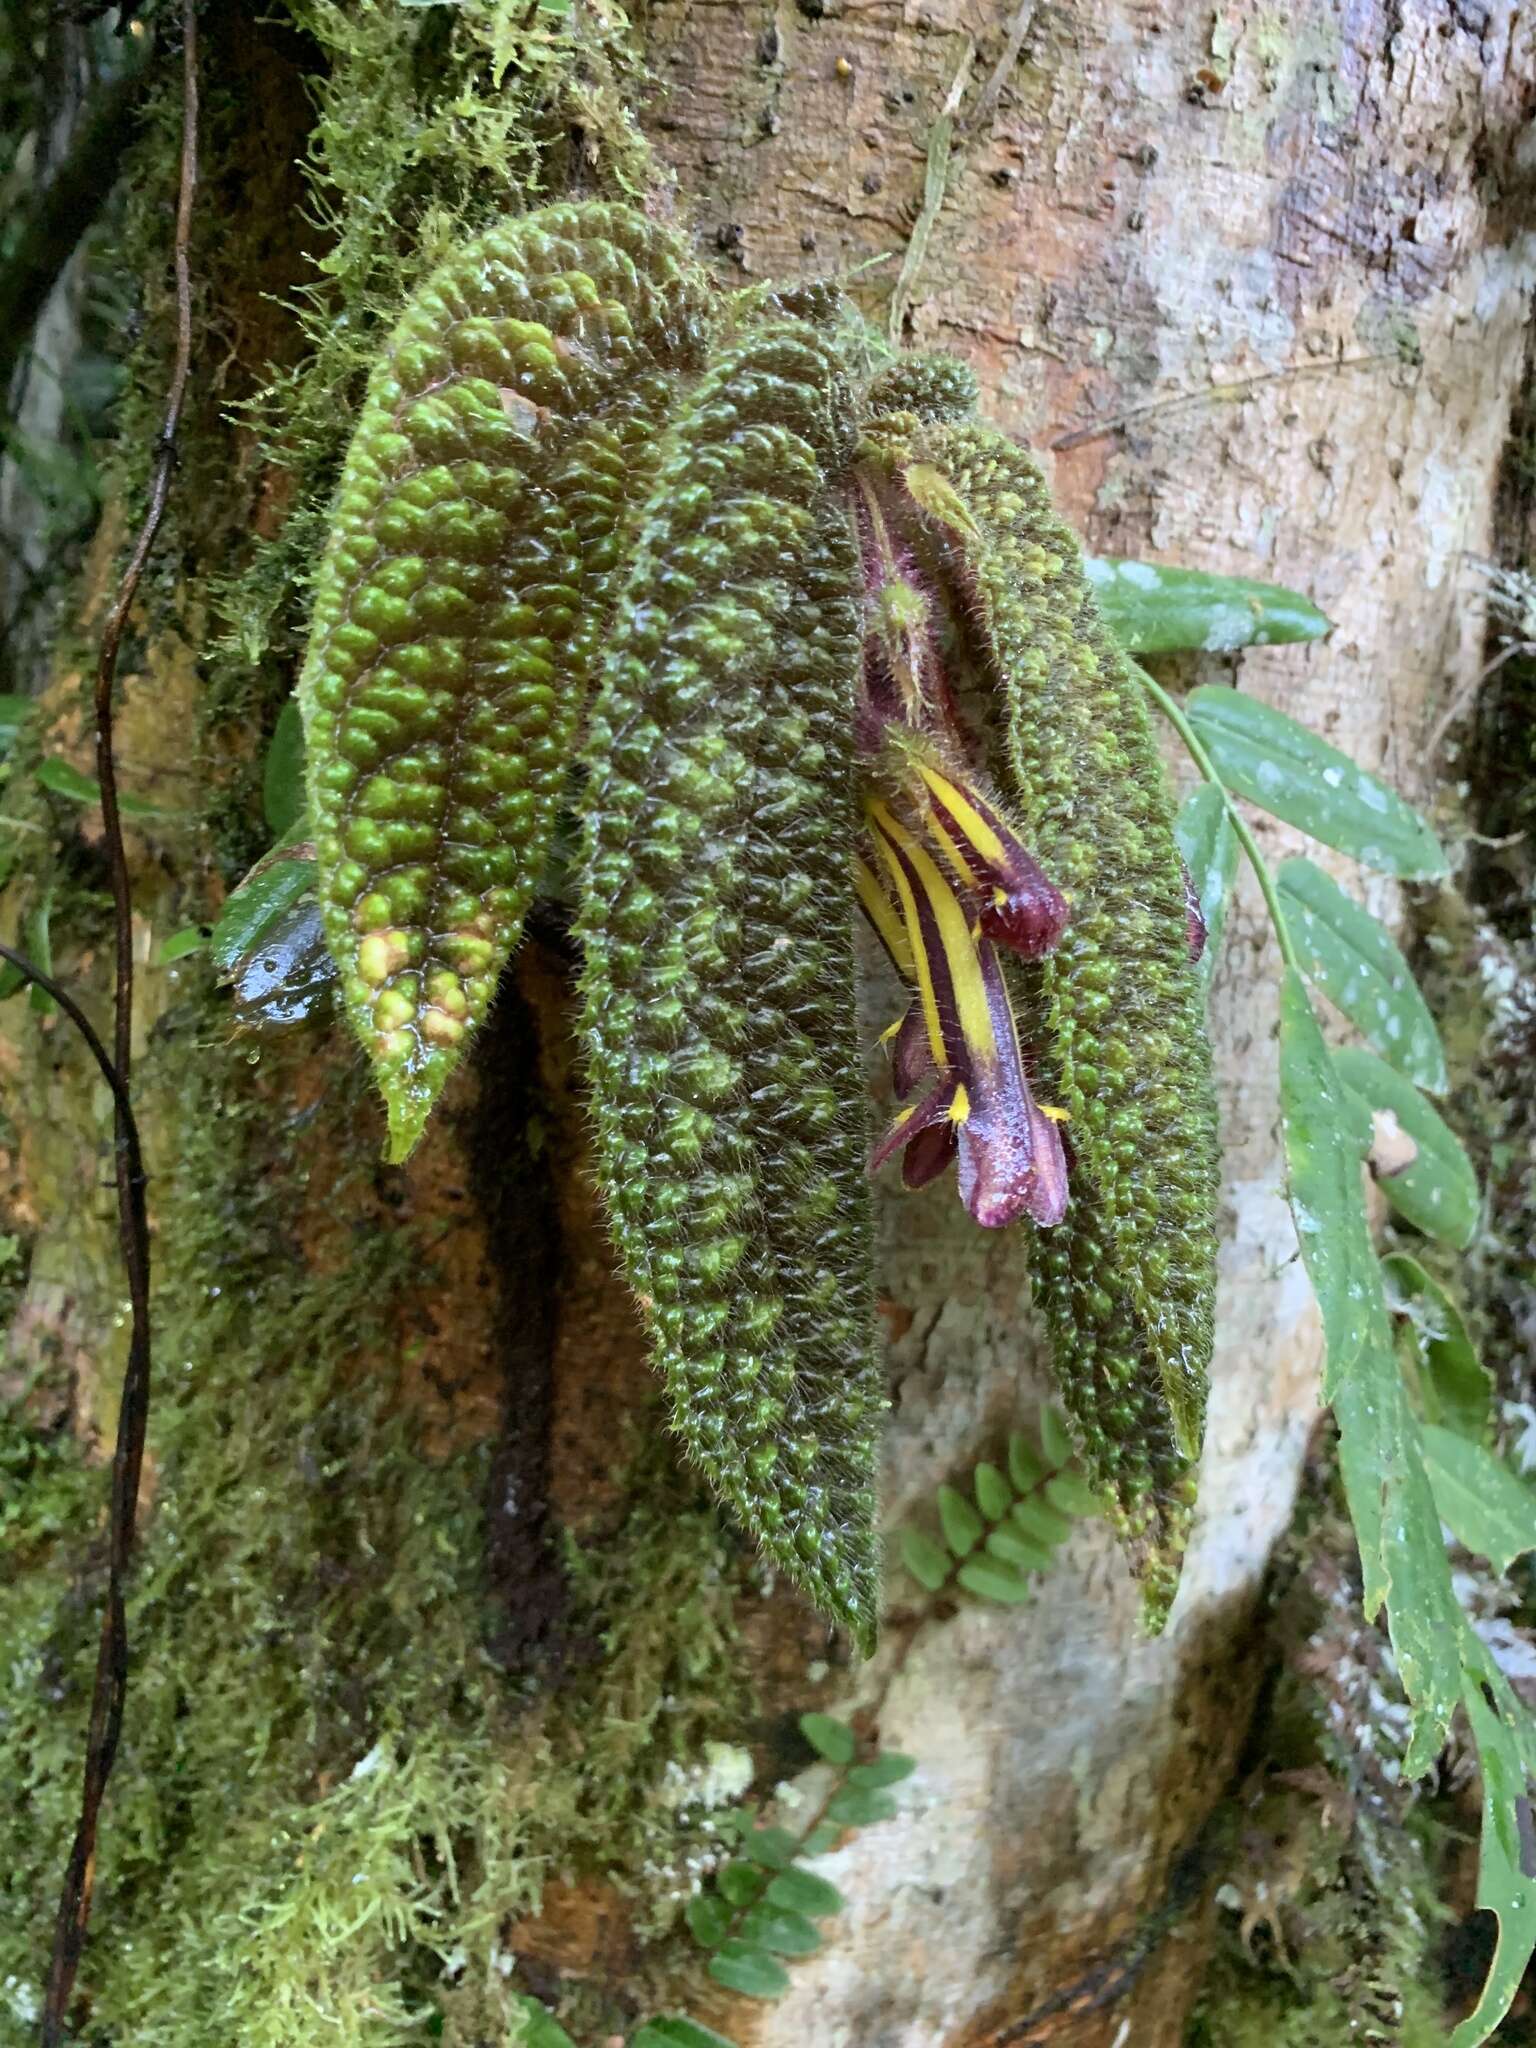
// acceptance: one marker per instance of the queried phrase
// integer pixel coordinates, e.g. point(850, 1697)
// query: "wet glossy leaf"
point(802, 1891)
point(272, 887)
point(1156, 610)
point(963, 1527)
point(924, 1559)
point(994, 1496)
point(1203, 829)
point(782, 1933)
point(830, 1738)
point(1488, 1508)
point(1354, 960)
point(990, 1579)
point(741, 1966)
point(1438, 1193)
point(1288, 771)
point(282, 784)
point(1455, 1387)
point(1322, 1155)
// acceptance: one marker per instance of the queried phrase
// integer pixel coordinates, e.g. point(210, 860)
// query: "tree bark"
point(1255, 288)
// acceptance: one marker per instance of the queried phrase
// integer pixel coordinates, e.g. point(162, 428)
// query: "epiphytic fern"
point(609, 539)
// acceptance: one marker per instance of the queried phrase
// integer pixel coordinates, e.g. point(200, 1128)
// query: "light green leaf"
point(1290, 772)
point(1353, 959)
point(994, 1496)
point(1017, 1550)
point(963, 1527)
point(889, 1768)
point(1402, 1555)
point(272, 887)
point(1055, 1437)
point(830, 1738)
point(1455, 1387)
point(677, 2032)
point(776, 1848)
point(538, 2028)
point(740, 1966)
point(190, 939)
point(1041, 1522)
point(1026, 1467)
point(14, 713)
point(1322, 1155)
point(854, 1807)
point(802, 1891)
point(1070, 1493)
point(924, 1559)
point(1153, 610)
point(1438, 1192)
point(282, 786)
point(57, 775)
point(990, 1579)
point(1203, 829)
point(782, 1933)
point(1506, 1885)
point(1489, 1509)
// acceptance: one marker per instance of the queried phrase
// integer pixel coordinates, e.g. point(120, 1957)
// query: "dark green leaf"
point(1155, 610)
point(1070, 1492)
point(1055, 1437)
point(1354, 961)
point(1322, 1155)
point(771, 1848)
point(677, 2032)
point(990, 1579)
point(853, 1807)
point(1290, 772)
point(994, 1496)
point(539, 2028)
point(1026, 1467)
point(889, 1768)
point(274, 886)
point(802, 1891)
point(784, 1934)
point(709, 1918)
point(741, 1883)
point(1455, 1387)
point(923, 1558)
point(1203, 829)
point(1438, 1192)
point(740, 1966)
point(1039, 1521)
point(830, 1738)
point(57, 775)
point(1016, 1549)
point(1490, 1510)
point(190, 939)
point(963, 1527)
point(822, 1837)
point(1501, 1728)
point(282, 783)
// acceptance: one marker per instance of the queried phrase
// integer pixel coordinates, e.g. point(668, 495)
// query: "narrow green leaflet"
point(676, 2032)
point(1506, 1885)
point(1353, 959)
point(1203, 829)
point(1438, 1192)
point(282, 787)
point(1290, 772)
point(1153, 610)
point(1322, 1155)
point(57, 775)
point(1455, 1388)
point(1490, 1510)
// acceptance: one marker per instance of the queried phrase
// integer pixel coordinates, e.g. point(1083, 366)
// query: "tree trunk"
point(1255, 288)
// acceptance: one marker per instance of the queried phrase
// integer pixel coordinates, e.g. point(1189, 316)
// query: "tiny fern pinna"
point(783, 640)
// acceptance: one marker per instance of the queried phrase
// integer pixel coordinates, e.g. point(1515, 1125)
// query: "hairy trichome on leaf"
point(613, 543)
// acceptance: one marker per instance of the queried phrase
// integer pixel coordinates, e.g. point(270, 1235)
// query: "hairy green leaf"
point(1203, 829)
point(1155, 610)
point(1291, 773)
point(1455, 1388)
point(1488, 1508)
point(1438, 1192)
point(1354, 960)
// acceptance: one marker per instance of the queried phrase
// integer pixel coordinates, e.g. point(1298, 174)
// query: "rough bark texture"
point(1255, 280)
point(1256, 285)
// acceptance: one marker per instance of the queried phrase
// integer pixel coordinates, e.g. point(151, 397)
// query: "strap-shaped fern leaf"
point(459, 604)
point(719, 978)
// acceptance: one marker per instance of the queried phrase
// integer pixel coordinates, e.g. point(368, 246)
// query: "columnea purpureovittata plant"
point(782, 639)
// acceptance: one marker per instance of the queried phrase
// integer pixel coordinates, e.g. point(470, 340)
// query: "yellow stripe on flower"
point(977, 828)
point(888, 926)
point(937, 926)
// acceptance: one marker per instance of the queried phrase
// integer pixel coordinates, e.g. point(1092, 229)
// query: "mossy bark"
point(433, 1634)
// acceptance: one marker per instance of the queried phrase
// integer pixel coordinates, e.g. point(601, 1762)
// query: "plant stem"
point(1174, 714)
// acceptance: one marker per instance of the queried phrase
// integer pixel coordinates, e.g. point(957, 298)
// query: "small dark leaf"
point(282, 785)
point(740, 1966)
point(855, 1808)
point(770, 1848)
point(963, 1527)
point(923, 1558)
point(784, 1934)
point(889, 1768)
point(830, 1738)
point(741, 1883)
point(802, 1891)
point(709, 1918)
